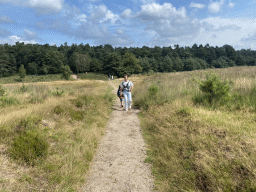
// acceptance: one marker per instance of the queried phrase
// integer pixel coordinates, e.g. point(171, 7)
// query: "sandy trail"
point(119, 162)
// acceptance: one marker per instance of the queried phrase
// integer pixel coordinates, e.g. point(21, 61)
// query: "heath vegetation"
point(200, 129)
point(49, 133)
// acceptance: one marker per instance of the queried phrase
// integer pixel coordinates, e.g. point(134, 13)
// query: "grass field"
point(49, 133)
point(196, 147)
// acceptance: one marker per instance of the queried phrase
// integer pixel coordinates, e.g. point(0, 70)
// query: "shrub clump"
point(214, 91)
point(23, 88)
point(2, 91)
point(28, 147)
point(58, 93)
point(58, 110)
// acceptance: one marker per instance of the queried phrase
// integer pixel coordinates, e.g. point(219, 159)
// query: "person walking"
point(109, 76)
point(127, 87)
point(120, 95)
point(112, 77)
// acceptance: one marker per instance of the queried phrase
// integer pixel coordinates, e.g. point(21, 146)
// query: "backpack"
point(126, 84)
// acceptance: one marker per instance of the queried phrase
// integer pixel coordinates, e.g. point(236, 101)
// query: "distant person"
point(112, 77)
point(126, 87)
point(120, 95)
point(109, 76)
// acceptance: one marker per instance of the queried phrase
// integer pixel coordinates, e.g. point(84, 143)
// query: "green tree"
point(230, 52)
point(22, 72)
point(154, 64)
point(79, 62)
point(112, 63)
point(32, 68)
point(190, 64)
point(66, 72)
point(53, 60)
point(131, 64)
point(144, 63)
point(166, 65)
point(178, 64)
point(202, 63)
point(96, 65)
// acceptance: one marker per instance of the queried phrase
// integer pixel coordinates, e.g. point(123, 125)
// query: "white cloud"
point(11, 40)
point(109, 17)
point(40, 6)
point(29, 35)
point(98, 13)
point(197, 5)
point(5, 19)
point(215, 7)
point(120, 31)
point(147, 1)
point(236, 32)
point(167, 22)
point(231, 5)
point(126, 13)
point(157, 11)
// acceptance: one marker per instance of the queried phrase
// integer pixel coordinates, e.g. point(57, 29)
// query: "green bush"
point(23, 88)
point(22, 72)
point(58, 110)
point(27, 123)
point(153, 90)
point(214, 91)
point(2, 90)
point(76, 115)
point(28, 147)
point(66, 72)
point(150, 72)
point(153, 96)
point(58, 92)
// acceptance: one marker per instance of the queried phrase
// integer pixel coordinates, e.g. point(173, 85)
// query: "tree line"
point(46, 59)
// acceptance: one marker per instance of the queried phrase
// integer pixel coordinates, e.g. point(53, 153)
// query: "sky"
point(130, 23)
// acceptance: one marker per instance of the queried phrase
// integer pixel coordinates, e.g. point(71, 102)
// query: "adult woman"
point(126, 87)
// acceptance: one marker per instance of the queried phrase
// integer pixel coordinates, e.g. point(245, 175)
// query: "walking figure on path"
point(112, 77)
point(120, 95)
point(109, 76)
point(126, 87)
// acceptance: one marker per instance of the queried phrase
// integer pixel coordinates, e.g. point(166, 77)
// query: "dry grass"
point(72, 132)
point(194, 148)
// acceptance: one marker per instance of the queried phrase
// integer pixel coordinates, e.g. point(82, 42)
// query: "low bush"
point(214, 91)
point(28, 147)
point(23, 88)
point(58, 110)
point(2, 90)
point(58, 93)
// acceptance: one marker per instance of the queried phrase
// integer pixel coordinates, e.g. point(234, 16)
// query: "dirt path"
point(119, 162)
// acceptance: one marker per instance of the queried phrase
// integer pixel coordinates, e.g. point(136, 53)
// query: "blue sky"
point(130, 23)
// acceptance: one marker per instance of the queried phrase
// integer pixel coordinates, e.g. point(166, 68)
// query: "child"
point(120, 95)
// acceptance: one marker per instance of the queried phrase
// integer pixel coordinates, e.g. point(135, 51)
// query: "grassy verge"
point(93, 76)
point(49, 145)
point(50, 77)
point(195, 147)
